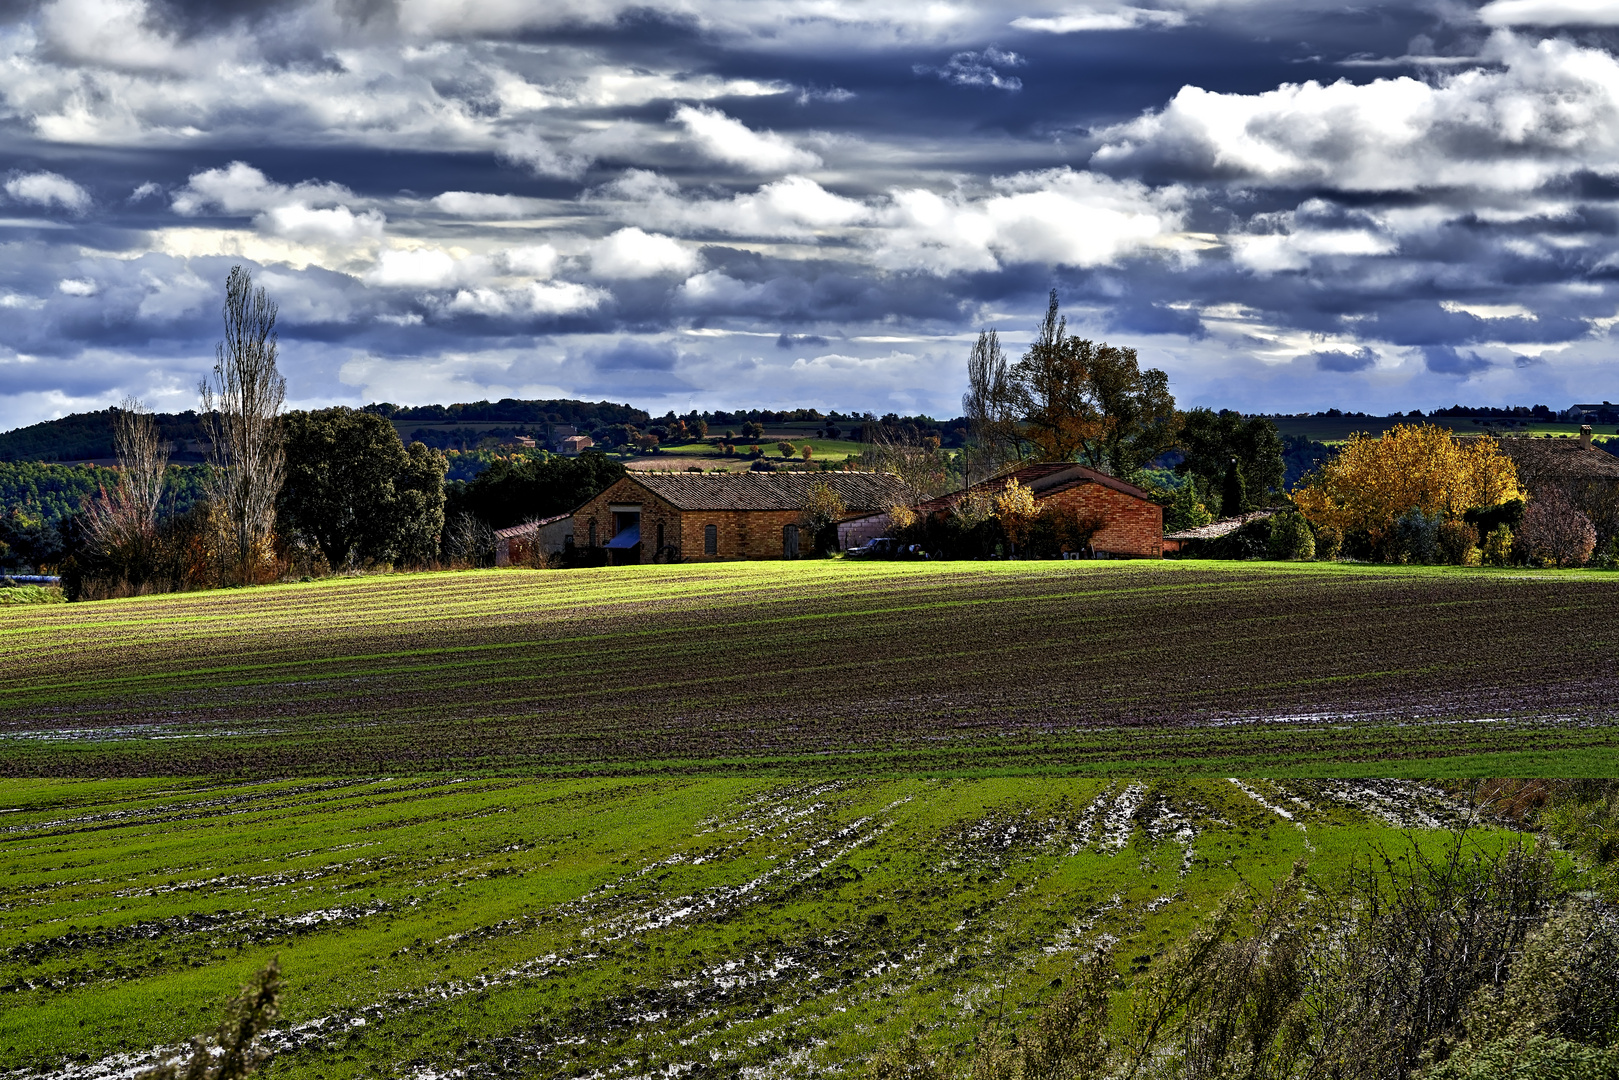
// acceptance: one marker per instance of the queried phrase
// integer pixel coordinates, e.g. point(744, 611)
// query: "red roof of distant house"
point(1043, 479)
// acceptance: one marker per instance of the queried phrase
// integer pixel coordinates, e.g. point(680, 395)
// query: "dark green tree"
point(512, 491)
point(354, 491)
point(1210, 441)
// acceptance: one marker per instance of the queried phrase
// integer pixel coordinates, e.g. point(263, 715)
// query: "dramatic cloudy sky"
point(1286, 204)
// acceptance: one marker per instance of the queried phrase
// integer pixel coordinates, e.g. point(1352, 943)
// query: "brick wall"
point(1134, 526)
point(741, 534)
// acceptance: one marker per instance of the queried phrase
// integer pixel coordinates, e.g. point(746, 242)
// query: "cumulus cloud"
point(1550, 110)
point(292, 212)
point(794, 207)
point(1549, 13)
point(1080, 20)
point(472, 204)
point(534, 299)
point(632, 253)
point(731, 142)
point(978, 69)
point(48, 189)
point(1058, 217)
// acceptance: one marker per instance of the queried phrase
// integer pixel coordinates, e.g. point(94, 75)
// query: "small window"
point(711, 539)
point(592, 533)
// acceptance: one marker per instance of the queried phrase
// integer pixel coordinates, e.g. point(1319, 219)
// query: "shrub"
point(787, 448)
point(1555, 532)
point(1414, 538)
point(1329, 542)
point(234, 1051)
point(30, 594)
point(1187, 510)
point(1290, 537)
point(1498, 546)
point(1458, 543)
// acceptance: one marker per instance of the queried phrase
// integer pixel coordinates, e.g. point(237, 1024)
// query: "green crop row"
point(564, 927)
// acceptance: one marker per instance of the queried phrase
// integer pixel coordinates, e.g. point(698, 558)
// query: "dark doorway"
point(789, 542)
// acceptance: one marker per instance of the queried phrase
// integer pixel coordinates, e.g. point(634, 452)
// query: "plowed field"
point(830, 668)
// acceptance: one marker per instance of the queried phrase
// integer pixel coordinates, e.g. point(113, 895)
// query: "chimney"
point(1585, 436)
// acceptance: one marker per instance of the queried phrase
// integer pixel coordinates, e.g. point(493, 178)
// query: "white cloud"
point(978, 69)
point(416, 268)
point(172, 295)
point(530, 147)
point(1488, 311)
point(77, 287)
point(47, 189)
point(532, 260)
point(472, 204)
point(632, 253)
point(1080, 20)
point(549, 298)
point(294, 213)
point(732, 142)
point(794, 207)
point(1550, 110)
point(1058, 217)
point(1549, 13)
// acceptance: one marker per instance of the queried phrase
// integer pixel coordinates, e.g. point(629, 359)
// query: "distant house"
point(525, 442)
point(576, 444)
point(1132, 522)
point(556, 433)
point(696, 517)
point(1605, 413)
point(520, 543)
point(1574, 465)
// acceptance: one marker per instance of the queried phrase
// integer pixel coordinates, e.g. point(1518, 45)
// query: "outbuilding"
point(696, 517)
point(1131, 522)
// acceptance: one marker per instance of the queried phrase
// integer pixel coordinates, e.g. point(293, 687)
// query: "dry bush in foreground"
point(1462, 965)
point(234, 1050)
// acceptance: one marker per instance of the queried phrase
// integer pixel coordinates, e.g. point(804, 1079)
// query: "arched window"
point(711, 540)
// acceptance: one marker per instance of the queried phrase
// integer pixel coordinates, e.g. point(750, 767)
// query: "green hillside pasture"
point(613, 926)
point(831, 667)
point(1337, 429)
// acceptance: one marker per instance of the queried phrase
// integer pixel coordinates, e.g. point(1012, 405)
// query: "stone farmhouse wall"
point(1133, 526)
point(739, 534)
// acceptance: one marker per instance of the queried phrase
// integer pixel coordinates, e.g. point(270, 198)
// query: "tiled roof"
point(1043, 479)
point(528, 527)
point(1558, 459)
point(860, 491)
point(1216, 529)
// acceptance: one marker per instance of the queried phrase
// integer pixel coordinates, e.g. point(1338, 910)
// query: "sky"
point(1287, 205)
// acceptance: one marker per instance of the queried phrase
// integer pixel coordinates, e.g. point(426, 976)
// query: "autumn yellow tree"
point(1014, 509)
point(1371, 482)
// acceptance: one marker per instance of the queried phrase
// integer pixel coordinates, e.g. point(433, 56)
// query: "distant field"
point(1334, 429)
point(480, 927)
point(831, 668)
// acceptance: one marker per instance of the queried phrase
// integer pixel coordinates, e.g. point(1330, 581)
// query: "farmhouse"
point(695, 517)
point(1132, 524)
point(1567, 463)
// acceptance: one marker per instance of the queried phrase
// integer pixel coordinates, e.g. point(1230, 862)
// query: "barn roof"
point(528, 528)
point(1540, 460)
point(1216, 529)
point(860, 491)
point(1045, 478)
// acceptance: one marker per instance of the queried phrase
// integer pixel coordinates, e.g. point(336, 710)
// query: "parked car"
point(886, 547)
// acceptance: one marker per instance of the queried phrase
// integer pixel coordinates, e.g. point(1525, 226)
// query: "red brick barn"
point(1131, 523)
point(697, 517)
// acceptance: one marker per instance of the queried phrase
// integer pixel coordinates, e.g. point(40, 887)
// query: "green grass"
point(831, 668)
point(546, 928)
point(824, 449)
point(31, 594)
point(1336, 429)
